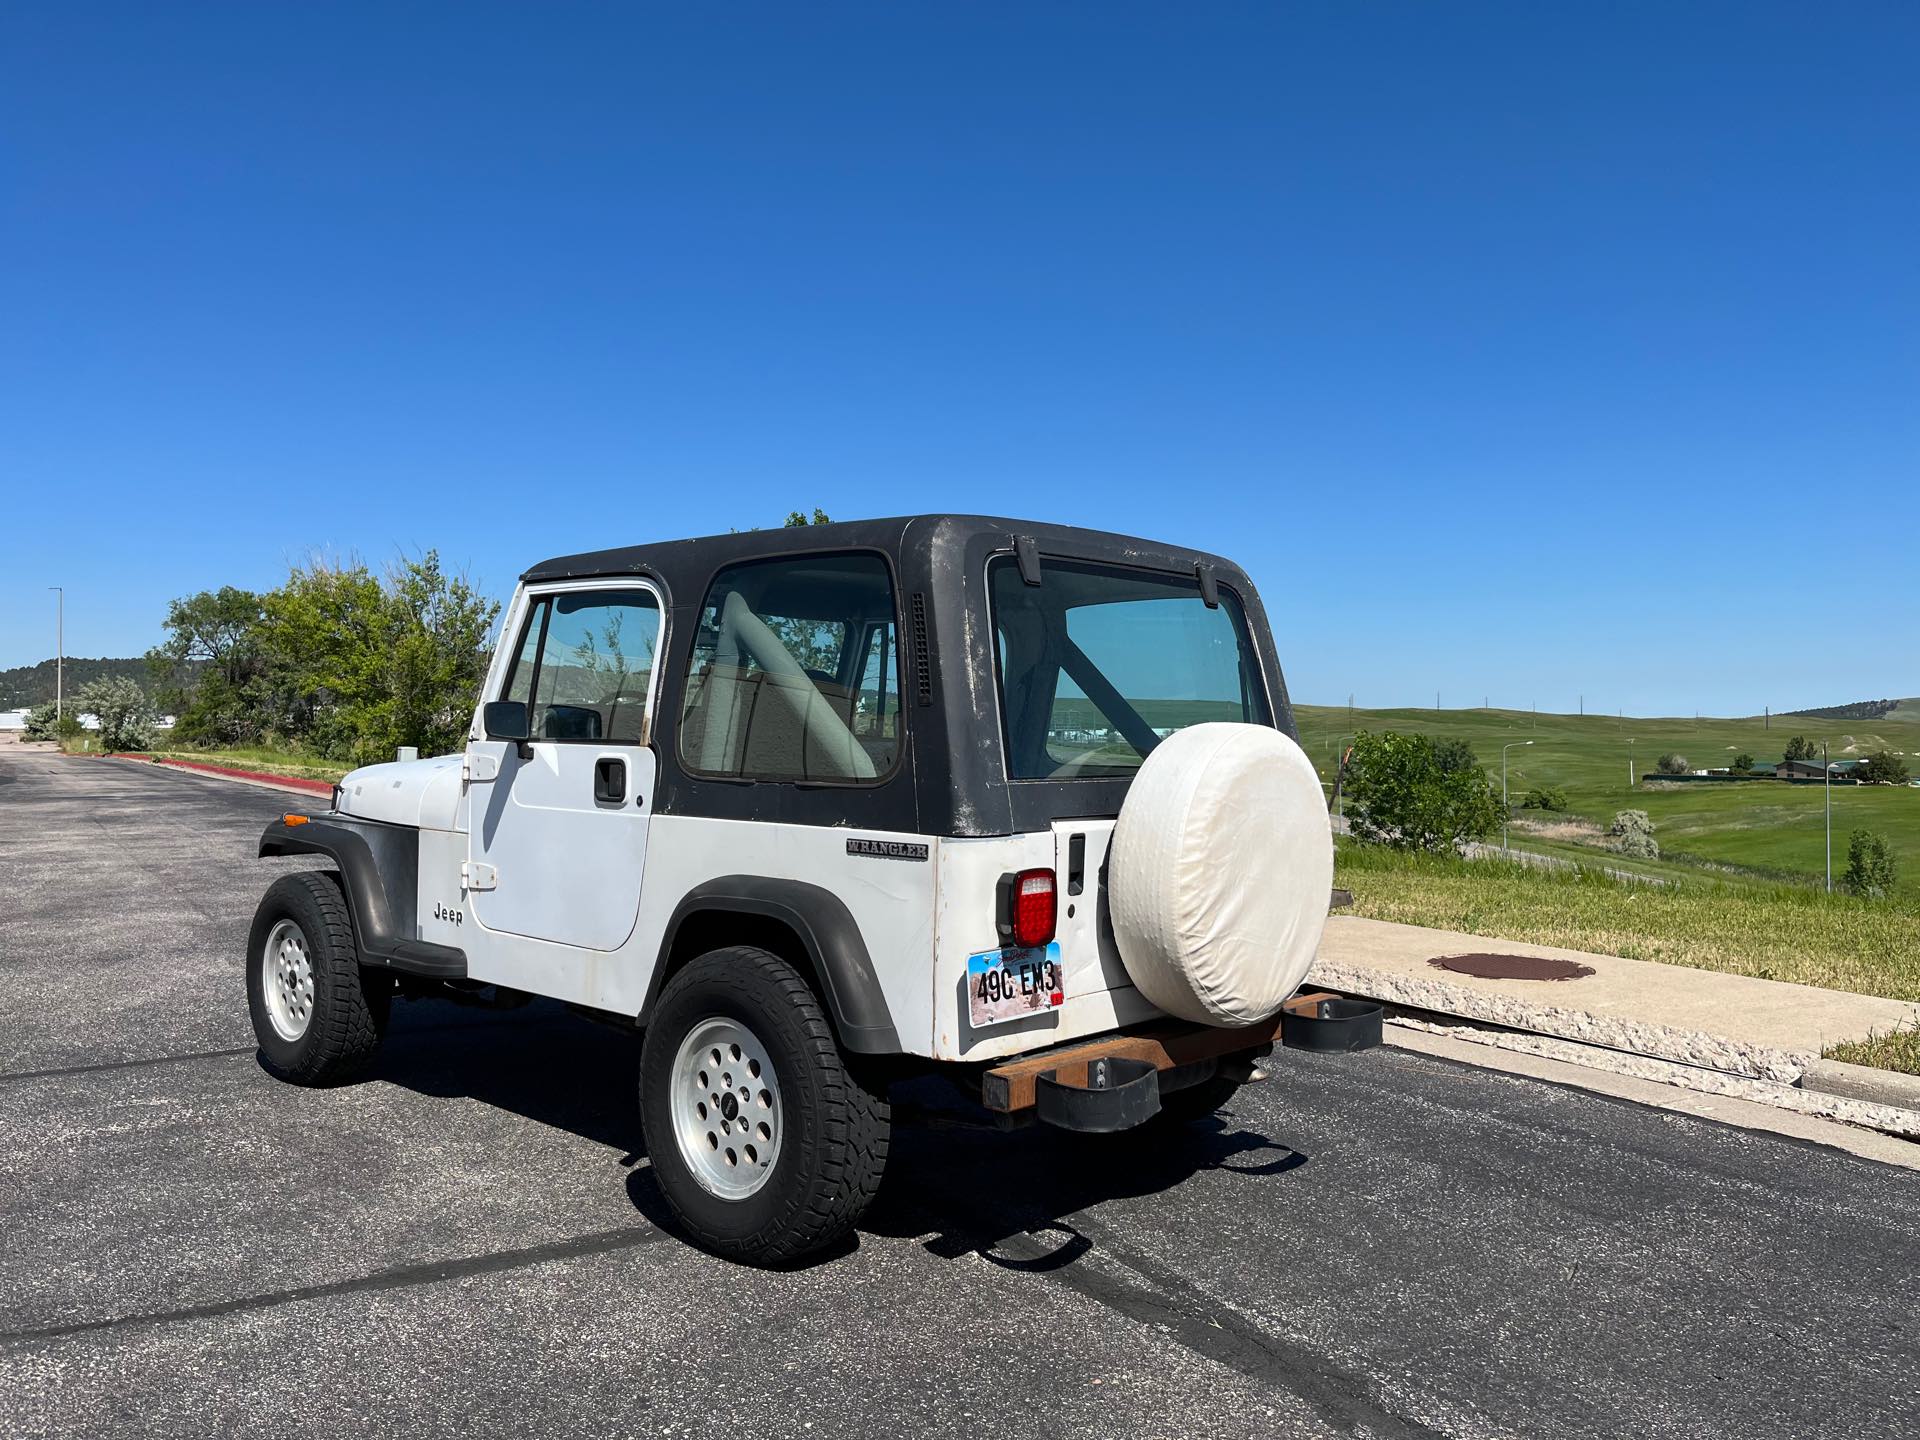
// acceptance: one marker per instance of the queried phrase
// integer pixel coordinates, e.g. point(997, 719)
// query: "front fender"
point(379, 870)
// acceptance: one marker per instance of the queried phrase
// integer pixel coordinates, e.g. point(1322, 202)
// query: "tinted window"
point(586, 660)
point(1097, 665)
point(795, 673)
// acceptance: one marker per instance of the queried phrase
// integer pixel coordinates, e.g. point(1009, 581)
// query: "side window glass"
point(795, 674)
point(520, 678)
point(876, 704)
point(596, 651)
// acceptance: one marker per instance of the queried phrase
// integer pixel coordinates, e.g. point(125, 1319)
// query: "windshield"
point(1098, 665)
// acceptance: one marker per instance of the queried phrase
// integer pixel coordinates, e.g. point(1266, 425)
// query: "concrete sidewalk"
point(1728, 1034)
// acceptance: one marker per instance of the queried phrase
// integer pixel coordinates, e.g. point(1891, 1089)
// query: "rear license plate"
point(1004, 985)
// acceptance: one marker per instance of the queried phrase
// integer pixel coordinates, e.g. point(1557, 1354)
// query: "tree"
point(439, 656)
point(1632, 834)
point(208, 664)
point(1801, 748)
point(797, 519)
point(1671, 764)
point(40, 723)
point(1742, 763)
point(1399, 795)
point(123, 710)
point(1870, 868)
point(1453, 754)
point(1884, 768)
point(338, 659)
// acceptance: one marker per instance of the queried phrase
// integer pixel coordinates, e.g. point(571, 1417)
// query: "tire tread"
point(854, 1131)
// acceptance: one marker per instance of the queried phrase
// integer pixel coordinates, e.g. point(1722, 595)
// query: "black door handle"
point(610, 781)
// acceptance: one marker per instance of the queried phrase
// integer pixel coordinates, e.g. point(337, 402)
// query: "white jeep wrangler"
point(816, 808)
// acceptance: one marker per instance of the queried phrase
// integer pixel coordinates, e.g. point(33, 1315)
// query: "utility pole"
point(1583, 705)
point(1505, 813)
point(60, 656)
point(1629, 764)
point(1826, 763)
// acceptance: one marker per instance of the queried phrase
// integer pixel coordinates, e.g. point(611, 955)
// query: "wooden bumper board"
point(1009, 1087)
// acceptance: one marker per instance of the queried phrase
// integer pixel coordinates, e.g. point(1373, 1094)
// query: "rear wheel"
point(315, 1015)
point(763, 1139)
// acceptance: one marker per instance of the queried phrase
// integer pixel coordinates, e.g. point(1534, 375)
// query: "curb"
point(1862, 1082)
point(1524, 1013)
point(1788, 1080)
point(228, 772)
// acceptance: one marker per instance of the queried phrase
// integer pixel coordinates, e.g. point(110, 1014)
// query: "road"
point(469, 1242)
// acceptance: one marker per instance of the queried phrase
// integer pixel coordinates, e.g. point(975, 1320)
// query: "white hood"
point(422, 793)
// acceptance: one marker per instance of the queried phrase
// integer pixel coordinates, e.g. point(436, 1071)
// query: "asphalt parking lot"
point(469, 1241)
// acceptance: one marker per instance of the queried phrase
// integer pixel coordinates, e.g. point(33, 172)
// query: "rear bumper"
point(1113, 1082)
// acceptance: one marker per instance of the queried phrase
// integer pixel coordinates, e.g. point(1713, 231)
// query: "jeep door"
point(558, 825)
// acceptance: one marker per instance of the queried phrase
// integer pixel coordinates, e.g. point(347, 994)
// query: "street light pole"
point(1504, 812)
point(60, 656)
point(1629, 764)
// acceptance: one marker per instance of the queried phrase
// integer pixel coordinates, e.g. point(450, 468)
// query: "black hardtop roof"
point(889, 535)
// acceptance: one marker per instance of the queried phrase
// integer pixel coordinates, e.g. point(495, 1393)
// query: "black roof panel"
point(888, 534)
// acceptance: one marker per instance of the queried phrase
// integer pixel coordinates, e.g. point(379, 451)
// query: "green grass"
point(1772, 932)
point(1769, 831)
point(1897, 1050)
point(268, 760)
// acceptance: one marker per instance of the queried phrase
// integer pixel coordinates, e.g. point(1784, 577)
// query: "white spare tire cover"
point(1220, 872)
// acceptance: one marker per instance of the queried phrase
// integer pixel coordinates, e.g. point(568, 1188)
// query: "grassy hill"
point(1756, 830)
point(27, 685)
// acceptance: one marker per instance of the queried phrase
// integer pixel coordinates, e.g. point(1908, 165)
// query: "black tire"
point(347, 1013)
point(835, 1122)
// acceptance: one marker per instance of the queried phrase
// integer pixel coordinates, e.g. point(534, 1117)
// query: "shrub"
point(1884, 768)
point(1870, 869)
point(1544, 797)
point(1671, 764)
point(1632, 834)
point(1400, 796)
point(123, 710)
point(40, 723)
point(1742, 763)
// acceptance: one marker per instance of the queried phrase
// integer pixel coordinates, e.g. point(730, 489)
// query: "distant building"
point(1815, 770)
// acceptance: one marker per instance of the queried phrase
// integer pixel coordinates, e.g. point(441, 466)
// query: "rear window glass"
point(1099, 664)
point(795, 673)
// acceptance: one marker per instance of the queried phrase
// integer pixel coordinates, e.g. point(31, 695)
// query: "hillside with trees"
point(25, 686)
point(1858, 710)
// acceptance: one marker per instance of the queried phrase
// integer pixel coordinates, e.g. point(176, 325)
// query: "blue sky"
point(1517, 351)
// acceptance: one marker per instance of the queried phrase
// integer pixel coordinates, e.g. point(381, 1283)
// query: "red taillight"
point(1027, 908)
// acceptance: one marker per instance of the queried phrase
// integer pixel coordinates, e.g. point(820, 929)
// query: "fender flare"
point(379, 869)
point(828, 931)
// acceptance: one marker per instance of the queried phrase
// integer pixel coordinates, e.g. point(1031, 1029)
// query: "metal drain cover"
point(1511, 967)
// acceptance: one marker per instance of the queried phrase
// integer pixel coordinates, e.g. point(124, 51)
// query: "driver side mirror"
point(507, 720)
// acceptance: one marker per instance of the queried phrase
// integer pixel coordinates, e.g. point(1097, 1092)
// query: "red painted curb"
point(317, 787)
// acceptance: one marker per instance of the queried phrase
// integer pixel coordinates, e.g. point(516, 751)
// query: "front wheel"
point(765, 1142)
point(316, 1018)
